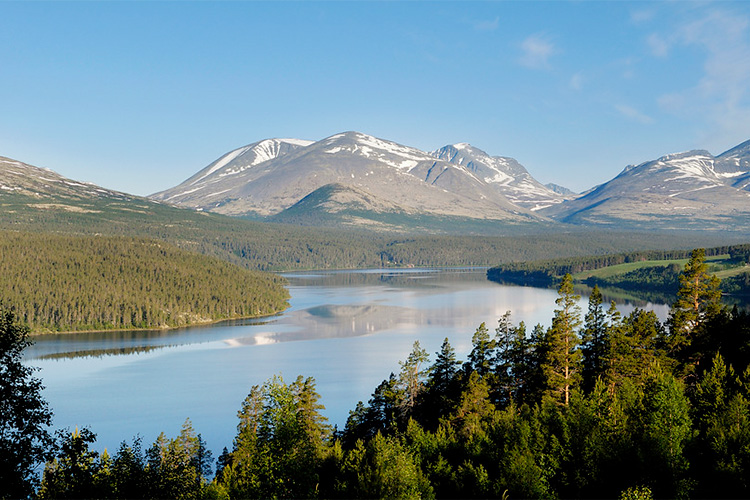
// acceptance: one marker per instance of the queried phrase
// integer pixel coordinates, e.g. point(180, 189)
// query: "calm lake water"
point(347, 329)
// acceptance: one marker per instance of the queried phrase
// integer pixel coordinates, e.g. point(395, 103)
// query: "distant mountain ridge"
point(505, 175)
point(268, 177)
point(356, 180)
point(43, 184)
point(690, 190)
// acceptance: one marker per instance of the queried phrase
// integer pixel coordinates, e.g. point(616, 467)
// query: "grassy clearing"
point(717, 264)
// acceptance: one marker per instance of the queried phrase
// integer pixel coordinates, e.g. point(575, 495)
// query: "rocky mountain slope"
point(405, 179)
point(504, 175)
point(691, 190)
point(44, 184)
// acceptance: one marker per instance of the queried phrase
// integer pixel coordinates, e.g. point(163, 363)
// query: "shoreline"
point(156, 329)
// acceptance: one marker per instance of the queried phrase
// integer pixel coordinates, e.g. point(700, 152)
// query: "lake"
point(347, 329)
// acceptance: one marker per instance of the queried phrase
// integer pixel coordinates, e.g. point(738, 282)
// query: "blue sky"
point(137, 96)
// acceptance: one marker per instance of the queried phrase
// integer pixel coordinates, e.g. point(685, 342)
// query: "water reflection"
point(342, 304)
point(347, 329)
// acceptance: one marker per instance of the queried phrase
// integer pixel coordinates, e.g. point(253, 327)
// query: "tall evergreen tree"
point(411, 378)
point(481, 357)
point(442, 388)
point(24, 414)
point(594, 339)
point(698, 300)
point(562, 366)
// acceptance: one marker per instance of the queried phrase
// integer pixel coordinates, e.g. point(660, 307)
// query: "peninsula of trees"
point(651, 274)
point(58, 283)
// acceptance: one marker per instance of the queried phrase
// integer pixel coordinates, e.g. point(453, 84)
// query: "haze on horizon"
point(138, 96)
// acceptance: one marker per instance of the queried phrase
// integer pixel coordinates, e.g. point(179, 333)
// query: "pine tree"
point(562, 366)
point(411, 378)
point(698, 299)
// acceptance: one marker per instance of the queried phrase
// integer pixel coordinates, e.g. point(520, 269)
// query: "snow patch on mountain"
point(222, 162)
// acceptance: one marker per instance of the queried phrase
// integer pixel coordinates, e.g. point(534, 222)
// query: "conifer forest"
point(598, 405)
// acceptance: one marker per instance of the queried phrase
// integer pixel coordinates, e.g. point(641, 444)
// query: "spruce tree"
point(594, 339)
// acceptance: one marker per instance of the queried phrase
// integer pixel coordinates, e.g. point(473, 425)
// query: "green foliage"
point(698, 301)
point(384, 468)
point(24, 414)
point(594, 339)
point(177, 468)
point(651, 275)
point(411, 378)
point(279, 447)
point(637, 493)
point(267, 246)
point(641, 427)
point(562, 366)
point(76, 471)
point(69, 283)
point(171, 468)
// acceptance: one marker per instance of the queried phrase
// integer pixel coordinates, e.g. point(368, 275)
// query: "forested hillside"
point(264, 246)
point(599, 405)
point(653, 273)
point(71, 283)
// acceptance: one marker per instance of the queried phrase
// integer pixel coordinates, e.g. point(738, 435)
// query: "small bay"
point(347, 329)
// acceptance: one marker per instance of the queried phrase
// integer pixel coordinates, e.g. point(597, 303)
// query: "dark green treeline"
point(596, 406)
point(72, 283)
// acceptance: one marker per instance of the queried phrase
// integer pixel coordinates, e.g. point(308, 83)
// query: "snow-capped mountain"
point(734, 166)
point(246, 182)
point(684, 190)
point(41, 183)
point(505, 175)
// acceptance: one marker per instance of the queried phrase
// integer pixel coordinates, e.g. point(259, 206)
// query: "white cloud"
point(659, 46)
point(722, 96)
point(576, 81)
point(536, 52)
point(487, 25)
point(633, 114)
point(641, 16)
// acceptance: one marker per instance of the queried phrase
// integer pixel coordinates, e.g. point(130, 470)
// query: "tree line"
point(663, 280)
point(598, 405)
point(276, 247)
point(74, 283)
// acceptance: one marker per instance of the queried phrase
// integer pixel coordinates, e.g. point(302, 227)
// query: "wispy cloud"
point(536, 51)
point(642, 15)
point(659, 46)
point(576, 81)
point(722, 95)
point(487, 25)
point(633, 114)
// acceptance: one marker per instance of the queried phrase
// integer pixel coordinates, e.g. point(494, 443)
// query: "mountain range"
point(357, 180)
point(360, 172)
point(691, 190)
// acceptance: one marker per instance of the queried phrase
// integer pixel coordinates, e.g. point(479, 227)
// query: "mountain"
point(569, 194)
point(691, 190)
point(734, 166)
point(207, 189)
point(43, 184)
point(405, 178)
point(504, 175)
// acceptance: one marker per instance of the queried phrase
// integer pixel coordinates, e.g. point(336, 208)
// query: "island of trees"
point(598, 405)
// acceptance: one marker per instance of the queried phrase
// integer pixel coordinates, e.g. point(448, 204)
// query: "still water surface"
point(347, 329)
